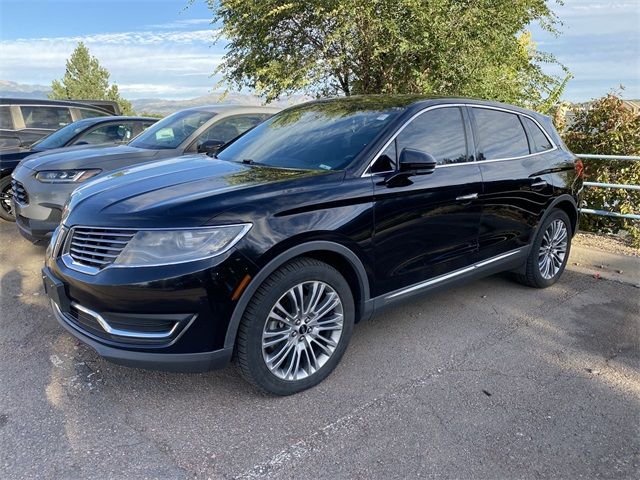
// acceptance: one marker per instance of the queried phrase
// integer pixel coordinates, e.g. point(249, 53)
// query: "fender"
point(277, 262)
point(547, 211)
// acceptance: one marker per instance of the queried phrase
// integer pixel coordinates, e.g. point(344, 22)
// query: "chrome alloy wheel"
point(5, 200)
point(553, 249)
point(302, 330)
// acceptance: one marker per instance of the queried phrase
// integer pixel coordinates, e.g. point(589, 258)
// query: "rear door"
point(515, 189)
point(427, 226)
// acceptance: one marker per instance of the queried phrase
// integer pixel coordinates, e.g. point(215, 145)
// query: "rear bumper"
point(172, 362)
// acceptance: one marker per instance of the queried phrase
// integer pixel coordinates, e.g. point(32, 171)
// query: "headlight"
point(165, 247)
point(66, 176)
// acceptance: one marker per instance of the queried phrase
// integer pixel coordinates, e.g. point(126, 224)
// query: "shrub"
point(608, 127)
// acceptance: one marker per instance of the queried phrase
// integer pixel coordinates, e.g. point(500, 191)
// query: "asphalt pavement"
point(487, 380)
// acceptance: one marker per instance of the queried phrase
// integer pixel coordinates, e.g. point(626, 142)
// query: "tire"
point(305, 348)
point(6, 209)
point(537, 273)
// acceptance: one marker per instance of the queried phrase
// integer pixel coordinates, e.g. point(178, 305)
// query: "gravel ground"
point(487, 380)
point(606, 243)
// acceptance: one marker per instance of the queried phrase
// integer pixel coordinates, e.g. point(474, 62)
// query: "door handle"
point(539, 184)
point(471, 196)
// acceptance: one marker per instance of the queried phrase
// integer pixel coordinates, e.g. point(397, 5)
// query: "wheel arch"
point(335, 254)
point(567, 204)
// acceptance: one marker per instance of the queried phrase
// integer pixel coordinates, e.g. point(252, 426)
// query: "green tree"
point(608, 127)
point(85, 79)
point(441, 47)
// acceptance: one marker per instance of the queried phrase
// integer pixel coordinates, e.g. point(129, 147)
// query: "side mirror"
point(210, 147)
point(416, 162)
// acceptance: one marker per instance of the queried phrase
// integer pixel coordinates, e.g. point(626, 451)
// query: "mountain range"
point(154, 105)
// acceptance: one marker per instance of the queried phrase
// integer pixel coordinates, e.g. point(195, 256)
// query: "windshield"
point(171, 131)
point(59, 138)
point(327, 135)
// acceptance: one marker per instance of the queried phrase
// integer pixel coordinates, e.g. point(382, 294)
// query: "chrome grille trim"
point(90, 249)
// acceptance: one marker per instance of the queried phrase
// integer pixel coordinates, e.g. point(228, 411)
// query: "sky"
point(165, 48)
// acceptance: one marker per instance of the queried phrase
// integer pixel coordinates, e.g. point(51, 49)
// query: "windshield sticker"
point(383, 116)
point(325, 167)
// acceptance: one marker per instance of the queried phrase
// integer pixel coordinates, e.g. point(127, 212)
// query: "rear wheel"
point(6, 207)
point(549, 252)
point(296, 328)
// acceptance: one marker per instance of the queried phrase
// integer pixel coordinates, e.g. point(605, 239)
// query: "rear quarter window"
point(499, 134)
point(540, 142)
point(91, 113)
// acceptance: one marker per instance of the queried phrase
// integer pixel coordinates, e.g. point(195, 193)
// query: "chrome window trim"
point(366, 172)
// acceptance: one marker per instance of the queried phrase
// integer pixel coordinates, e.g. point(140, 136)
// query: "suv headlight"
point(66, 176)
point(166, 247)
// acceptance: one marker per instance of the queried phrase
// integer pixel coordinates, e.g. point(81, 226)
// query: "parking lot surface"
point(487, 380)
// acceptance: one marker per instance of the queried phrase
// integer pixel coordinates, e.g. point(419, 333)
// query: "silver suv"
point(43, 183)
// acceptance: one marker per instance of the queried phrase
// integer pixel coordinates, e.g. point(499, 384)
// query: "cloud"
point(178, 63)
point(187, 23)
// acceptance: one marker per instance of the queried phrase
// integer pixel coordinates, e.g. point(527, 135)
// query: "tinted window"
point(540, 140)
point(46, 117)
point(60, 137)
point(89, 113)
point(439, 132)
point(500, 135)
point(146, 125)
point(5, 118)
point(387, 160)
point(229, 128)
point(171, 131)
point(109, 133)
point(325, 136)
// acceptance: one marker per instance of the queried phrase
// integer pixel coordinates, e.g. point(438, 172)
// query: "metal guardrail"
point(606, 213)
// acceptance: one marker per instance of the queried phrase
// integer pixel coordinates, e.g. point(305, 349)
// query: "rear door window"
point(439, 132)
point(540, 142)
point(50, 118)
point(499, 134)
point(6, 121)
point(109, 133)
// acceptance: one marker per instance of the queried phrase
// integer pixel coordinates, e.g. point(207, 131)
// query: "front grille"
point(19, 193)
point(97, 247)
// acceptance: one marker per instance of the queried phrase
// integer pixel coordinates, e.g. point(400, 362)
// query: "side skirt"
point(499, 263)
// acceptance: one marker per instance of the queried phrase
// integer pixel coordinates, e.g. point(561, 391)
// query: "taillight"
point(579, 166)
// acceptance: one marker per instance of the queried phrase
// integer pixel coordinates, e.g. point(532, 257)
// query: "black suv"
point(310, 222)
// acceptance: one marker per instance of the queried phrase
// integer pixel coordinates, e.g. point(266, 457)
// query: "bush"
point(608, 127)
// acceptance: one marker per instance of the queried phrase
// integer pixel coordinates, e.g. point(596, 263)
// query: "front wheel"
point(296, 328)
point(549, 252)
point(6, 205)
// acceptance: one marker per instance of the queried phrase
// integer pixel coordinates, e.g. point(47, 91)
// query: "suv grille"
point(19, 193)
point(97, 247)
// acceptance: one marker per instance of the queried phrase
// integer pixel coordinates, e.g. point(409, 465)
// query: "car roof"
point(115, 118)
point(412, 102)
point(47, 102)
point(227, 109)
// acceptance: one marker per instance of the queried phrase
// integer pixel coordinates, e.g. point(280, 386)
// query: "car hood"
point(81, 156)
point(182, 191)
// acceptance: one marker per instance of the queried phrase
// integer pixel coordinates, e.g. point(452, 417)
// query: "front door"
point(427, 226)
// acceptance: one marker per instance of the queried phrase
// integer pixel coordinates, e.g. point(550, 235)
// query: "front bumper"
point(176, 362)
point(123, 302)
point(41, 211)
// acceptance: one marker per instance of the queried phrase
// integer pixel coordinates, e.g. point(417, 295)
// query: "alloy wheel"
point(302, 330)
point(5, 199)
point(553, 249)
